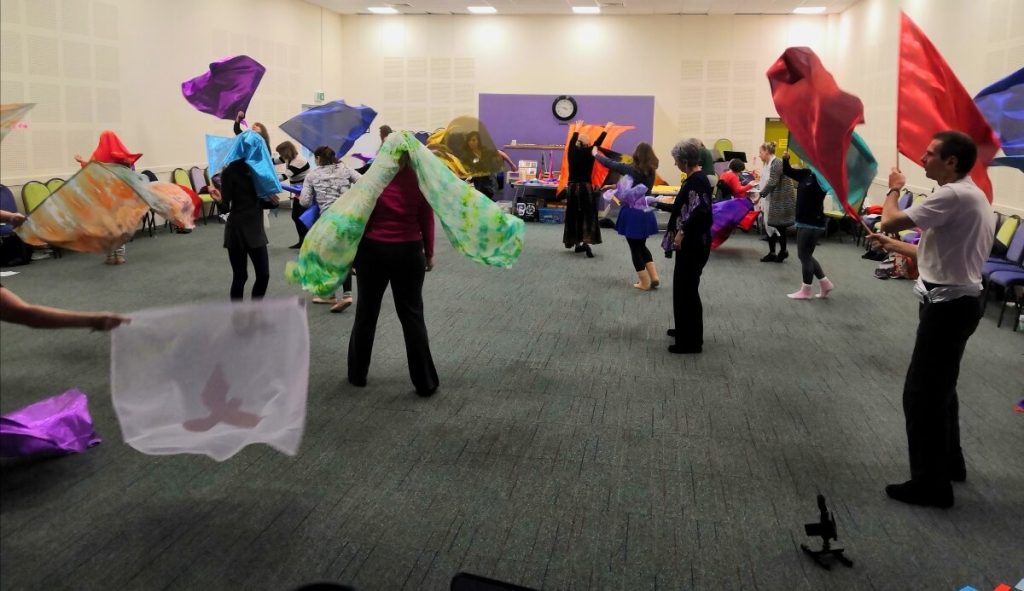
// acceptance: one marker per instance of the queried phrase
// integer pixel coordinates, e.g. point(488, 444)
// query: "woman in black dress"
point(581, 225)
point(244, 234)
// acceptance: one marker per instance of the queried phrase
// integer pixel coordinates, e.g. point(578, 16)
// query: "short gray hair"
point(687, 151)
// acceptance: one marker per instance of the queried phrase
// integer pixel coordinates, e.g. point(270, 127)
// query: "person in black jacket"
point(581, 225)
point(810, 226)
point(691, 218)
point(244, 234)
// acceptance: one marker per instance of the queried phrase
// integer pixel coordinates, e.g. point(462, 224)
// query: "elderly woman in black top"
point(691, 217)
point(810, 225)
point(581, 226)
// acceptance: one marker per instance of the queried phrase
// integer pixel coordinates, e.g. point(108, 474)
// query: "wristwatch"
point(893, 190)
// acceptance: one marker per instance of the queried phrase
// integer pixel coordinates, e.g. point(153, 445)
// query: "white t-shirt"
point(957, 228)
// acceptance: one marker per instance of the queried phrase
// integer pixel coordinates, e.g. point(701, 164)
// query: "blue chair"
point(7, 203)
point(1013, 259)
point(1008, 280)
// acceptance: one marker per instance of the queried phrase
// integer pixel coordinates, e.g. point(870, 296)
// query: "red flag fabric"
point(820, 117)
point(932, 99)
point(111, 151)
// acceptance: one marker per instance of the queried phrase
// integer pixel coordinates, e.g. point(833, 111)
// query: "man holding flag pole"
point(957, 229)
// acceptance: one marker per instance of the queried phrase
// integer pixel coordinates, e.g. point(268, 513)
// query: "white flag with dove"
point(212, 378)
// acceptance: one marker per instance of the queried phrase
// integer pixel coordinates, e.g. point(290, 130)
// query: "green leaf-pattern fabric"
point(474, 224)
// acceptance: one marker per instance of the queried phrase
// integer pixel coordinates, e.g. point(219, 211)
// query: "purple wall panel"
point(527, 118)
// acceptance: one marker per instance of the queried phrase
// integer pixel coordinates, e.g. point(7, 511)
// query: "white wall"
point(118, 64)
point(981, 41)
point(706, 73)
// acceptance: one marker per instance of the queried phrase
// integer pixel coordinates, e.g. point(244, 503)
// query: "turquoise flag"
point(861, 169)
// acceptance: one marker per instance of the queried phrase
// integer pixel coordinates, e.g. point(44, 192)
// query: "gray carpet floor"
point(565, 449)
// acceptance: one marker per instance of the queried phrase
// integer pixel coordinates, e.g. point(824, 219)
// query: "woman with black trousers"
point(397, 249)
point(691, 217)
point(810, 226)
point(244, 235)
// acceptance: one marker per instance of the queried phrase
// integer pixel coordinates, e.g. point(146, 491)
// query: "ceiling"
point(608, 7)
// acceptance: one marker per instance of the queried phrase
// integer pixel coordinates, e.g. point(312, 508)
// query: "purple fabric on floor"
point(227, 88)
point(57, 425)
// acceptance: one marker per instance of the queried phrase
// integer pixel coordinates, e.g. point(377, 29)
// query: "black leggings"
point(297, 211)
point(806, 240)
point(640, 253)
point(240, 271)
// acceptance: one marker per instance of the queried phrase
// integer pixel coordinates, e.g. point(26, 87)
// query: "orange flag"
point(932, 99)
point(591, 131)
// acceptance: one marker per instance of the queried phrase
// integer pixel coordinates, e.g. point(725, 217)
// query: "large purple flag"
point(227, 88)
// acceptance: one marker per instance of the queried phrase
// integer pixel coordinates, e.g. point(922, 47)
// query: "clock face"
point(564, 108)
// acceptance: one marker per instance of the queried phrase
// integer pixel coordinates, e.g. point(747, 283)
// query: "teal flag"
point(861, 169)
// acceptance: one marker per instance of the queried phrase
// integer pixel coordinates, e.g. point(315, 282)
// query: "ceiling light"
point(809, 10)
point(482, 9)
point(586, 9)
point(382, 10)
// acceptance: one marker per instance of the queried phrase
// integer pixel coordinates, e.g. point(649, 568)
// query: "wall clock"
point(564, 108)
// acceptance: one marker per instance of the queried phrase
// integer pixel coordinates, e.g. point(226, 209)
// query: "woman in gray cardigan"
point(778, 203)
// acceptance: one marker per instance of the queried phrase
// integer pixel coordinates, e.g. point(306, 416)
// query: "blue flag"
point(1002, 104)
point(335, 125)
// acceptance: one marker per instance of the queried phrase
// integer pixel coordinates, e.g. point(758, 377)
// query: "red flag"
point(820, 117)
point(932, 99)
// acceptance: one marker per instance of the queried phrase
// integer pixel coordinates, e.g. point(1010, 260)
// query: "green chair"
point(54, 184)
point(33, 193)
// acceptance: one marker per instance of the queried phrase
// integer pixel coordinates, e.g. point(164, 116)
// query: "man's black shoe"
point(912, 493)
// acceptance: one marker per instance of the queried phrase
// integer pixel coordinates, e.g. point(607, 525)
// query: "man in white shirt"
point(957, 228)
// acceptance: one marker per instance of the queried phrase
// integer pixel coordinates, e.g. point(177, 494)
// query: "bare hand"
point(105, 321)
point(16, 219)
point(897, 180)
point(80, 160)
point(274, 200)
point(609, 124)
point(880, 242)
point(430, 264)
point(678, 242)
point(593, 151)
point(240, 116)
point(215, 193)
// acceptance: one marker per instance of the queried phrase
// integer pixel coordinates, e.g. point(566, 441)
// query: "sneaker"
point(769, 258)
point(783, 255)
point(681, 350)
point(912, 493)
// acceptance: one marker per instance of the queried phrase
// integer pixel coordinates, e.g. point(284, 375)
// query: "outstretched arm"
point(17, 311)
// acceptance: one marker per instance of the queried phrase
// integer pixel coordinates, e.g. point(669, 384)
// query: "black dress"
point(581, 225)
point(244, 229)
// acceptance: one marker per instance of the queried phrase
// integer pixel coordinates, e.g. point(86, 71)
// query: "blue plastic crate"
point(551, 215)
